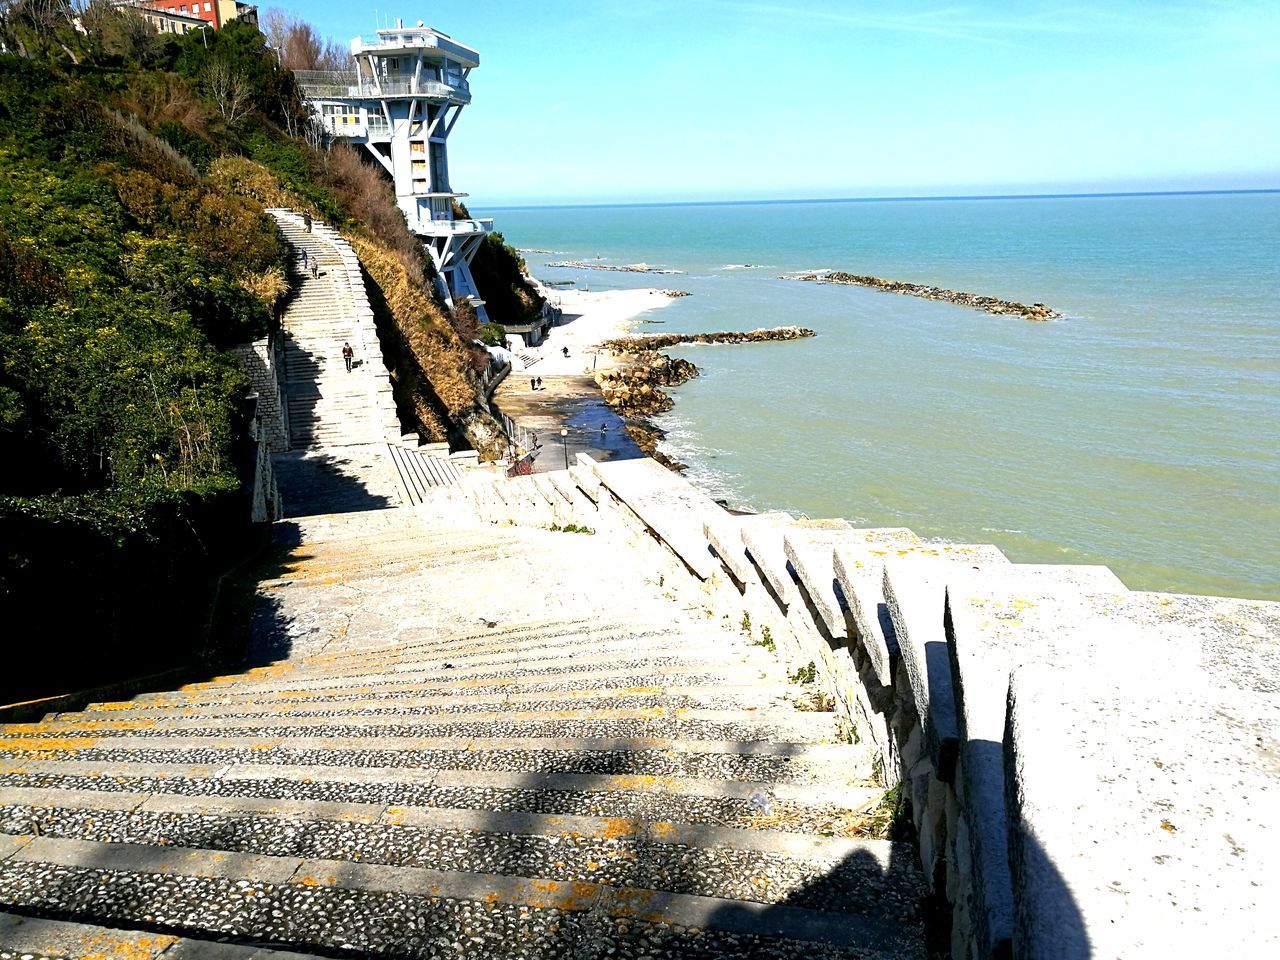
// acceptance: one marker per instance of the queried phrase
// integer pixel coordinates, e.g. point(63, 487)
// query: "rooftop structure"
point(401, 100)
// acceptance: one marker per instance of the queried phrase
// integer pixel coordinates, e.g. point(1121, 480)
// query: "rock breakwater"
point(613, 267)
point(1034, 311)
point(660, 341)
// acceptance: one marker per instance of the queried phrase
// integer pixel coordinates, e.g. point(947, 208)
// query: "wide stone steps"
point(766, 761)
point(463, 666)
point(377, 910)
point(330, 407)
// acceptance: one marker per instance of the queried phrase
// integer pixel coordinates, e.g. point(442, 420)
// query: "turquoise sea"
point(1141, 431)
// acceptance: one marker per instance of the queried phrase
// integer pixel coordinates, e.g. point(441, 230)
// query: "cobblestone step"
point(609, 678)
point(386, 664)
point(568, 672)
point(417, 912)
point(836, 874)
point(763, 761)
point(785, 725)
point(827, 808)
point(706, 696)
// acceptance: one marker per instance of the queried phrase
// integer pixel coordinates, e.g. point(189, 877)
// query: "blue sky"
point(743, 99)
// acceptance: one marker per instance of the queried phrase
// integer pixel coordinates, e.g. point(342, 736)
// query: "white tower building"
point(401, 101)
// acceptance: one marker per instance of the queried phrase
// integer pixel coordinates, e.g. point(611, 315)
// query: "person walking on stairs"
point(347, 355)
point(306, 221)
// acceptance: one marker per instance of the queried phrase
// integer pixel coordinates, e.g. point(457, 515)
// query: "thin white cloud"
point(986, 26)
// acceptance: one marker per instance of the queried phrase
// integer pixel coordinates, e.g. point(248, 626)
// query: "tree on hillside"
point(299, 46)
point(229, 87)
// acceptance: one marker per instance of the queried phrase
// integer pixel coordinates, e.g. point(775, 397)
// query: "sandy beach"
point(590, 318)
point(568, 398)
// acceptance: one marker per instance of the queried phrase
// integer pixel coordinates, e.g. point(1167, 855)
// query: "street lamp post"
point(564, 442)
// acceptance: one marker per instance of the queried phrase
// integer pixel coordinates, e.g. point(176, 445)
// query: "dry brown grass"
point(443, 356)
point(269, 285)
point(873, 821)
point(361, 187)
point(246, 178)
point(164, 97)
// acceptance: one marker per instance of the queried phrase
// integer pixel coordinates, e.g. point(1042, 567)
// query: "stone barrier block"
point(1140, 812)
point(859, 569)
point(996, 620)
point(808, 546)
point(668, 505)
point(724, 534)
point(764, 538)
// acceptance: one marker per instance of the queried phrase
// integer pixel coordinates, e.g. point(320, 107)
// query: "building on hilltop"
point(401, 101)
point(181, 16)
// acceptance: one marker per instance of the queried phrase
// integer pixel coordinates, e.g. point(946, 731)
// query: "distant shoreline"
point(898, 199)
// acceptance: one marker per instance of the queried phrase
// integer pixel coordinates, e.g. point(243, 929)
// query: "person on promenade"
point(347, 355)
point(566, 351)
point(533, 383)
point(539, 383)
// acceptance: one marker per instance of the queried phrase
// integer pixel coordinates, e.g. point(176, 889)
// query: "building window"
point(206, 7)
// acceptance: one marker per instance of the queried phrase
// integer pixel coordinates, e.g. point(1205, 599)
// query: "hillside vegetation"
point(133, 251)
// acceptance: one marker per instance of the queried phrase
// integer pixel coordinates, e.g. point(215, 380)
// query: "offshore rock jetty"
point(660, 341)
point(1034, 311)
point(616, 268)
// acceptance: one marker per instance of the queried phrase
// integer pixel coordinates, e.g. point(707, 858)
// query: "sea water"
point(1142, 430)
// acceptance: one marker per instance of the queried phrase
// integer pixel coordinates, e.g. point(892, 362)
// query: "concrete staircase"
point(460, 740)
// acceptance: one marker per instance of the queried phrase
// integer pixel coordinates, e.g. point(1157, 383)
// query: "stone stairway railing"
point(1086, 765)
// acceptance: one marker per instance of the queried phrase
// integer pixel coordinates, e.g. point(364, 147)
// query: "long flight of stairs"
point(461, 741)
point(340, 422)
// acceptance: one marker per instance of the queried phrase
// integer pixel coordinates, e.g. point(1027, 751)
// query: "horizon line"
point(897, 199)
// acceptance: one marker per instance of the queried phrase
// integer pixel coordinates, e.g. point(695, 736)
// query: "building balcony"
point(352, 127)
point(454, 228)
point(401, 40)
point(349, 85)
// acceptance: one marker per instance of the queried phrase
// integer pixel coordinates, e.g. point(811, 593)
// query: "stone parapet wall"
point(265, 506)
point(260, 363)
point(1087, 767)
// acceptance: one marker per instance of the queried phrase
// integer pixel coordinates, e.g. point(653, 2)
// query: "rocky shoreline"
point(634, 391)
point(625, 268)
point(1034, 311)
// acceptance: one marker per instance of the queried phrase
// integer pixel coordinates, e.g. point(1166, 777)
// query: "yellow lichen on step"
point(109, 947)
point(56, 727)
point(616, 828)
point(46, 744)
